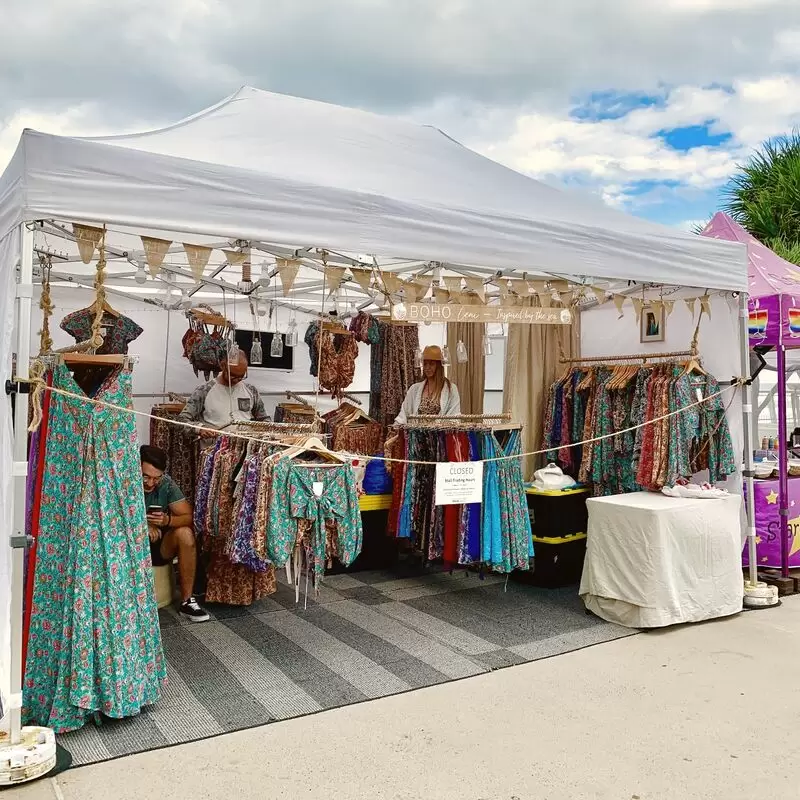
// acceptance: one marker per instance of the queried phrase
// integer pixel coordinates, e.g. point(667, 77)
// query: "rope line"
point(41, 386)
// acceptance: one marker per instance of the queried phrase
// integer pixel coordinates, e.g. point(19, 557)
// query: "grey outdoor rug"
point(368, 635)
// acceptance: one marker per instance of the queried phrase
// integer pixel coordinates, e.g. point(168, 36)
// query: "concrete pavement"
point(669, 714)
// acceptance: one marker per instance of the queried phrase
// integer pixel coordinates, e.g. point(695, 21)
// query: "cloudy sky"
point(649, 103)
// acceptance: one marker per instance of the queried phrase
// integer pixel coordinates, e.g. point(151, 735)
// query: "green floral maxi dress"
point(95, 643)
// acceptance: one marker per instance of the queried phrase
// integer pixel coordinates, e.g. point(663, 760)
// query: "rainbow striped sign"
point(757, 323)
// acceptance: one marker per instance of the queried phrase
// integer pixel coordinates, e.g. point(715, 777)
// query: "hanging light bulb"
point(487, 345)
point(461, 353)
point(418, 358)
point(445, 356)
point(256, 353)
point(291, 334)
point(141, 274)
point(276, 348)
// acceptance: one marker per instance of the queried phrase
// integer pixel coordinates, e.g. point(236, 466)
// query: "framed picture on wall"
point(653, 325)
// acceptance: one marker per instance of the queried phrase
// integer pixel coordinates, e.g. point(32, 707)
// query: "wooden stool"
point(164, 581)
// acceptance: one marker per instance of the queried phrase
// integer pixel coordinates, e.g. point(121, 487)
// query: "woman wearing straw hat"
point(435, 395)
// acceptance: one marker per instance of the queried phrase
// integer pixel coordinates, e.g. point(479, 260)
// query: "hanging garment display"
point(353, 431)
point(94, 641)
point(609, 400)
point(180, 445)
point(496, 532)
point(215, 522)
point(118, 331)
point(255, 507)
point(332, 350)
point(205, 343)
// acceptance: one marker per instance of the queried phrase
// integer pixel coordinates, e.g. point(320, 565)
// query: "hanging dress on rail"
point(94, 643)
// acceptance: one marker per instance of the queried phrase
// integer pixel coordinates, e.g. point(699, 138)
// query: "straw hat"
point(432, 353)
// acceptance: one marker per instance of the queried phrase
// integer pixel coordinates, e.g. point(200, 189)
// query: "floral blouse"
point(118, 332)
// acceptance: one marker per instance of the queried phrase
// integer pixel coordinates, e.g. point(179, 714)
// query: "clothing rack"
point(88, 359)
point(295, 396)
point(503, 416)
point(352, 398)
point(273, 427)
point(643, 357)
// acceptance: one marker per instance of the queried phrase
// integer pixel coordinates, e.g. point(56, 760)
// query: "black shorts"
point(155, 554)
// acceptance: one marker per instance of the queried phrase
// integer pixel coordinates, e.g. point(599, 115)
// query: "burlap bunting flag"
point(619, 302)
point(417, 290)
point(658, 308)
point(363, 277)
point(453, 284)
point(198, 257)
point(87, 238)
point(519, 288)
point(234, 257)
point(154, 252)
point(669, 306)
point(391, 282)
point(567, 298)
point(333, 278)
point(638, 304)
point(705, 306)
point(690, 304)
point(287, 269)
point(600, 294)
point(477, 286)
point(441, 296)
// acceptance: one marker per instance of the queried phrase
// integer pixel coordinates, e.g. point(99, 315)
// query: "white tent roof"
point(299, 173)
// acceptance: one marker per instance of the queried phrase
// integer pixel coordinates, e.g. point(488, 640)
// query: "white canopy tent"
point(288, 176)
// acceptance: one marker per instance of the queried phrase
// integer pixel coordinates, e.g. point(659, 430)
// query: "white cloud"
point(613, 155)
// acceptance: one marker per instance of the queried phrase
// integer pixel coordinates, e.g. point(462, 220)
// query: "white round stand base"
point(760, 595)
point(32, 758)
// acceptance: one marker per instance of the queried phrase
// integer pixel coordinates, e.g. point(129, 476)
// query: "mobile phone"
point(154, 510)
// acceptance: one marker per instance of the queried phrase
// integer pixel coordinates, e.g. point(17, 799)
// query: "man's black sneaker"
point(193, 611)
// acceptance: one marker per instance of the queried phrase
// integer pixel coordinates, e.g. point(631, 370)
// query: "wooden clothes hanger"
point(107, 309)
point(693, 366)
point(312, 445)
point(88, 359)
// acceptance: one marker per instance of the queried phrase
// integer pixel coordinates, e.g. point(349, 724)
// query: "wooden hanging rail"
point(505, 416)
point(644, 357)
point(208, 317)
point(88, 359)
point(295, 396)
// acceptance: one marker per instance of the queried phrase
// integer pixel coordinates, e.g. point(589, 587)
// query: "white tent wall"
point(604, 334)
point(9, 255)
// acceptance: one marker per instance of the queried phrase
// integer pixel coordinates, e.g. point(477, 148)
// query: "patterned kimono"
point(95, 642)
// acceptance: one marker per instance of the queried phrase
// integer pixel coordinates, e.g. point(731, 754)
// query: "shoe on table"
point(193, 611)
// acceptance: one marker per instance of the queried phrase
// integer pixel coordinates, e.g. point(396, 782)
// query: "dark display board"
point(245, 338)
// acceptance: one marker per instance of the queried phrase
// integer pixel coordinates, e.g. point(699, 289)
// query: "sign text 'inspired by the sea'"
point(431, 312)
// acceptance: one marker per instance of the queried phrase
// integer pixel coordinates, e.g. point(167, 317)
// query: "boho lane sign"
point(430, 312)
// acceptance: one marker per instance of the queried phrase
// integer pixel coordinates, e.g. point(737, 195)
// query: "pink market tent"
point(774, 322)
point(768, 274)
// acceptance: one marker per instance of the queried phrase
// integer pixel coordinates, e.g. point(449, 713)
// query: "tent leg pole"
point(20, 471)
point(747, 415)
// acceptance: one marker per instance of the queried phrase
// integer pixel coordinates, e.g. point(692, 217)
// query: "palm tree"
point(764, 196)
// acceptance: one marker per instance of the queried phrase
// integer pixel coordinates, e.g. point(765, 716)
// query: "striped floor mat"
point(367, 635)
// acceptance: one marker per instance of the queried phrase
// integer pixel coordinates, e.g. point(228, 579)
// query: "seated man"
point(170, 527)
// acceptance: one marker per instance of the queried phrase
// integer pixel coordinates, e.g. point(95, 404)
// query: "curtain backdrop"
point(470, 377)
point(532, 364)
